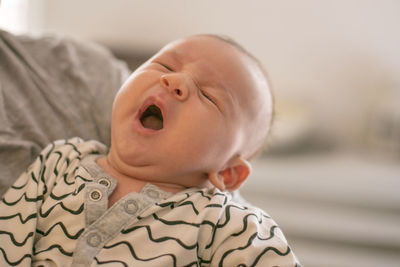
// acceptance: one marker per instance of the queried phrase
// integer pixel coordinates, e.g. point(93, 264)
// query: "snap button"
point(95, 195)
point(131, 206)
point(104, 182)
point(153, 193)
point(93, 239)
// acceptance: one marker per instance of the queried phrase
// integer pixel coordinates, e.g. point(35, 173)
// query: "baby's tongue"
point(152, 122)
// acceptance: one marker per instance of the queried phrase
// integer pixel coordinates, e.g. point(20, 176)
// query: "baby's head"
point(192, 115)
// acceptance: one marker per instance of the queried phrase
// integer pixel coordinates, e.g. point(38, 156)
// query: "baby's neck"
point(127, 184)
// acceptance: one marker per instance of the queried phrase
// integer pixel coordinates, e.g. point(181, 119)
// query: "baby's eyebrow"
point(166, 59)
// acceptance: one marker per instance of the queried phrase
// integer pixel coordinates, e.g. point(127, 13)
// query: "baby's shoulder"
point(216, 206)
point(230, 231)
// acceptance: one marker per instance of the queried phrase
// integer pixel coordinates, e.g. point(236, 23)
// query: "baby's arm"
point(251, 238)
point(19, 210)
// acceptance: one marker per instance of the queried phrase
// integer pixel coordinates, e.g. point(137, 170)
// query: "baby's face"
point(186, 112)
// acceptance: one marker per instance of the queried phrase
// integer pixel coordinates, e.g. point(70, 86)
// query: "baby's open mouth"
point(152, 118)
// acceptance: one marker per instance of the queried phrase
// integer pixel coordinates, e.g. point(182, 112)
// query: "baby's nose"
point(176, 84)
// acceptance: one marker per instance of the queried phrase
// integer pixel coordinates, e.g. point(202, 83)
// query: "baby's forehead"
point(194, 45)
point(205, 49)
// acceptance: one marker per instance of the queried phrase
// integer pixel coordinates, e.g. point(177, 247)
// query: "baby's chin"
point(162, 175)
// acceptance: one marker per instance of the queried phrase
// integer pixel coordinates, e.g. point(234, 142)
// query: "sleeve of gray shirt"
point(52, 87)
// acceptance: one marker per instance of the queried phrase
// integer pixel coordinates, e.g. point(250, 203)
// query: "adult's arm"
point(52, 87)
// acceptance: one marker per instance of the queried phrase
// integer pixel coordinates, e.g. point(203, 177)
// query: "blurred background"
point(330, 173)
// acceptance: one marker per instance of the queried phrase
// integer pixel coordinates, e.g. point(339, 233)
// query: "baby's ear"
point(232, 177)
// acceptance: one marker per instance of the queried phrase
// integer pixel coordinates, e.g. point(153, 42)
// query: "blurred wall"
point(336, 58)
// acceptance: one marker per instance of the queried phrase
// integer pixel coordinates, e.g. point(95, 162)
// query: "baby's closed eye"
point(208, 96)
point(165, 66)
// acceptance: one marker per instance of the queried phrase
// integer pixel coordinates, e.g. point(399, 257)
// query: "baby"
point(184, 126)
